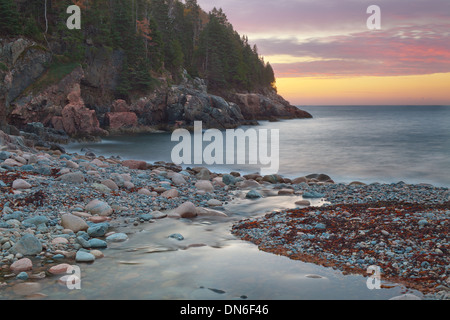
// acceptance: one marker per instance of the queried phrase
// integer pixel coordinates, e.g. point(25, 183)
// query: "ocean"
point(385, 144)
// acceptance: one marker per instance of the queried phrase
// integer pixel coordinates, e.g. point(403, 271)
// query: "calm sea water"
point(365, 143)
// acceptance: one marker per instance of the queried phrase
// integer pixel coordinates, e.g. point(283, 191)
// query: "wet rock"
point(186, 210)
point(117, 237)
point(97, 243)
point(202, 212)
point(26, 288)
point(176, 236)
point(59, 268)
point(313, 194)
point(285, 192)
point(303, 203)
point(253, 194)
point(21, 265)
point(98, 230)
point(83, 256)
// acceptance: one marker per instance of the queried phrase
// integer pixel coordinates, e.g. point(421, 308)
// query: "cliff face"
point(79, 100)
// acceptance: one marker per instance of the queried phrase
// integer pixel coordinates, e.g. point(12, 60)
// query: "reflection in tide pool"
point(210, 263)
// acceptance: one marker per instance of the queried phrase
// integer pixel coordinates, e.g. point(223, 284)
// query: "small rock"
point(74, 223)
point(110, 184)
point(21, 184)
point(303, 203)
point(20, 265)
point(97, 254)
point(27, 245)
point(97, 243)
point(22, 276)
point(178, 179)
point(285, 192)
point(214, 203)
point(98, 230)
point(313, 194)
point(228, 179)
point(59, 268)
point(135, 164)
point(253, 194)
point(99, 207)
point(83, 256)
point(117, 237)
point(204, 185)
point(145, 192)
point(72, 177)
point(186, 210)
point(172, 193)
point(177, 236)
point(26, 288)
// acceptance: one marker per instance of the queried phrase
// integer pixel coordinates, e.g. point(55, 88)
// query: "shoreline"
point(52, 205)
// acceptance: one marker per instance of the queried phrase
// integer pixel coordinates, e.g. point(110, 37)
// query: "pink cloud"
point(398, 51)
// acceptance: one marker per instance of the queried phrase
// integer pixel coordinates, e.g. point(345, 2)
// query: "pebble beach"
point(62, 209)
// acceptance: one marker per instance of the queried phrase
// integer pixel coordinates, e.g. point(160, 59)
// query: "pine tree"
point(9, 18)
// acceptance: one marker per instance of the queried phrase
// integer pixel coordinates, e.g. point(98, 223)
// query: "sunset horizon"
point(323, 53)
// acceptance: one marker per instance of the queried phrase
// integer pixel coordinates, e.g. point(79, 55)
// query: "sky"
point(324, 53)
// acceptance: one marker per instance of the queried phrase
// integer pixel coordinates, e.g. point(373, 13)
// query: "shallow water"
point(209, 264)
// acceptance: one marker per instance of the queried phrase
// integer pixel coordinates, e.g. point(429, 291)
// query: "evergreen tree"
point(9, 18)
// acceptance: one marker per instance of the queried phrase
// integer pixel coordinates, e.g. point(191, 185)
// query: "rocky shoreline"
point(61, 209)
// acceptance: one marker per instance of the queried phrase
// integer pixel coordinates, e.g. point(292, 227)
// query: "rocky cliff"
point(78, 101)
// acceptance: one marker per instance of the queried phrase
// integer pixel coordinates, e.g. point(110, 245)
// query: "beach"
point(60, 210)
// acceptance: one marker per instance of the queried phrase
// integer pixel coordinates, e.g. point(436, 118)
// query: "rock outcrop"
point(82, 102)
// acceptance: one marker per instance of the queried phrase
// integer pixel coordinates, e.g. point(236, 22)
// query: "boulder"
point(78, 120)
point(118, 120)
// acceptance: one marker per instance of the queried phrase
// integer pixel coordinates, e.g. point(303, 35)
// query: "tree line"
point(157, 37)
